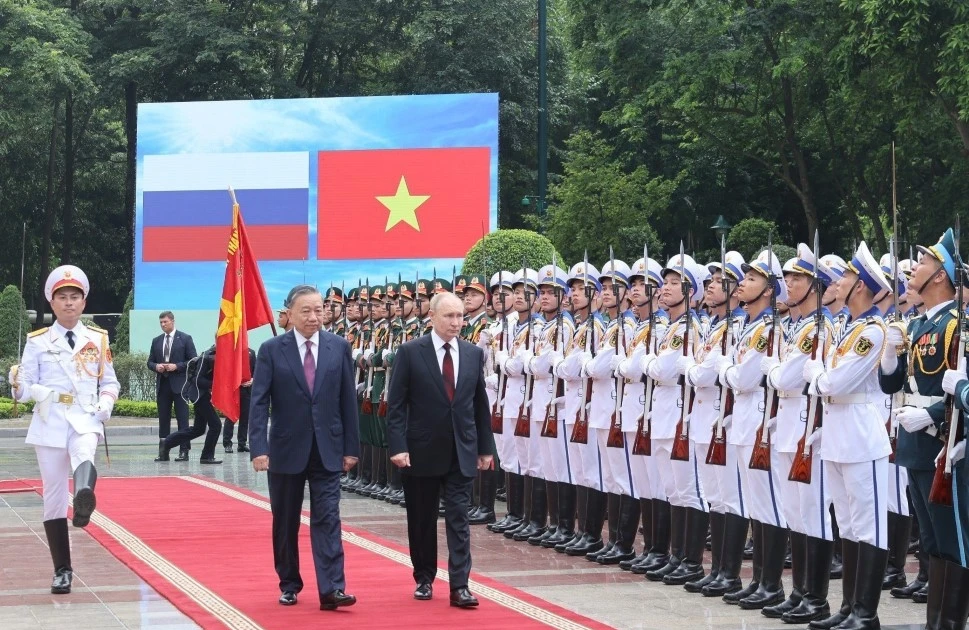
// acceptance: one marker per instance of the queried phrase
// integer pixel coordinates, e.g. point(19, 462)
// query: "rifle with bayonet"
point(367, 405)
point(580, 430)
point(616, 439)
point(643, 444)
point(497, 409)
point(760, 455)
point(717, 451)
point(941, 491)
point(392, 344)
point(802, 464)
point(680, 450)
point(550, 427)
point(895, 400)
point(523, 425)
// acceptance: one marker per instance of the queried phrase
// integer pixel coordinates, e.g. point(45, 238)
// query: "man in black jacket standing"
point(168, 358)
point(245, 396)
point(439, 433)
point(198, 391)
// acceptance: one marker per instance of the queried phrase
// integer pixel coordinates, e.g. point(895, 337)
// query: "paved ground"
point(108, 595)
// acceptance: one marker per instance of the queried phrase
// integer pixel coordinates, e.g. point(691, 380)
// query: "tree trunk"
point(68, 219)
point(131, 134)
point(49, 214)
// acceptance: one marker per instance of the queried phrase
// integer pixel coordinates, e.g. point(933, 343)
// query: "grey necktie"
point(168, 347)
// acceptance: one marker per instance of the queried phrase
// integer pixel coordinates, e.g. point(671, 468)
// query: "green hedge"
point(123, 407)
point(6, 408)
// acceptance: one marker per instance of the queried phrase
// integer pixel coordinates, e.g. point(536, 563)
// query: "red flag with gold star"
point(245, 306)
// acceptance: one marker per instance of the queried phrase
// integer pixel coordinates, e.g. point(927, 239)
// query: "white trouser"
point(57, 466)
point(721, 484)
point(555, 455)
point(860, 496)
point(805, 504)
point(617, 472)
point(508, 446)
point(681, 480)
point(644, 484)
point(761, 490)
point(897, 486)
point(709, 477)
point(586, 464)
point(530, 451)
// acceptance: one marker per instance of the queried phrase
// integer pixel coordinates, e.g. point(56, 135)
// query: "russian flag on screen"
point(187, 211)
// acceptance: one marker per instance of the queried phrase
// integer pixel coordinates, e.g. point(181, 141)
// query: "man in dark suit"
point(170, 353)
point(306, 377)
point(439, 433)
point(245, 399)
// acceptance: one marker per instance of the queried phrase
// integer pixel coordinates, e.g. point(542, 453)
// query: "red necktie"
point(448, 371)
point(309, 365)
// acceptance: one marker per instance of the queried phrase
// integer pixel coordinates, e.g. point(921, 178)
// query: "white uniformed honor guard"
point(66, 370)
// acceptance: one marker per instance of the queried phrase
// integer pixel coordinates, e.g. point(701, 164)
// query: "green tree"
point(14, 322)
point(122, 331)
point(506, 250)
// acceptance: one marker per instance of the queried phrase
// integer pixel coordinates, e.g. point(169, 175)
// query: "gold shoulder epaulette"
point(96, 329)
point(955, 312)
point(37, 332)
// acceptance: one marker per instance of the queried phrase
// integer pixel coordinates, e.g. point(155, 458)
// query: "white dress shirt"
point(301, 344)
point(439, 351)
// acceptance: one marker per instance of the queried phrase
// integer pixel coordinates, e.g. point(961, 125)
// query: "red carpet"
point(207, 548)
point(19, 485)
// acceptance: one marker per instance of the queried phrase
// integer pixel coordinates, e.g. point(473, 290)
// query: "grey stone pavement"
point(108, 595)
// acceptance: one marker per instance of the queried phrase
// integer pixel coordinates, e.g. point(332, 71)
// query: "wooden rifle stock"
point(680, 452)
point(616, 439)
point(580, 430)
point(760, 455)
point(497, 422)
point(643, 444)
point(550, 428)
point(941, 492)
point(523, 425)
point(801, 466)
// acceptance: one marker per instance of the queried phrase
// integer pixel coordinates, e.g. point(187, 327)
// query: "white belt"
point(918, 400)
point(847, 399)
point(665, 383)
point(790, 393)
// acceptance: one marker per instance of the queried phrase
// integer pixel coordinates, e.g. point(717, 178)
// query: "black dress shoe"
point(462, 598)
point(242, 449)
point(482, 517)
point(288, 598)
point(210, 460)
point(906, 592)
point(424, 591)
point(62, 582)
point(228, 448)
point(336, 599)
point(182, 457)
point(162, 452)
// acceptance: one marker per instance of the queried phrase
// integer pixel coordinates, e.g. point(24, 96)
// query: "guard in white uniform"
point(645, 279)
point(855, 449)
point(66, 370)
point(689, 520)
point(761, 491)
point(721, 482)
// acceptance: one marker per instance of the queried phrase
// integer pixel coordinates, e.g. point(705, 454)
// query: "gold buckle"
point(65, 399)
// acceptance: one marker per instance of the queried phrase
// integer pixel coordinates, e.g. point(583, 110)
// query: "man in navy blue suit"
point(306, 377)
point(439, 434)
point(169, 356)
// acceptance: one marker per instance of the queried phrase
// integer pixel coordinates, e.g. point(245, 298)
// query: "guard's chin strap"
point(803, 299)
point(927, 281)
point(851, 291)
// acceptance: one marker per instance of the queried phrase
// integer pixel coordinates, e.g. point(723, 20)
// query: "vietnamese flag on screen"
point(402, 203)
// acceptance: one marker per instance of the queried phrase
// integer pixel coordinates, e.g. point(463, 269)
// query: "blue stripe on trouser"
point(874, 485)
point(773, 499)
point(740, 493)
point(599, 456)
point(898, 487)
point(629, 469)
point(565, 442)
point(696, 482)
point(955, 512)
point(822, 508)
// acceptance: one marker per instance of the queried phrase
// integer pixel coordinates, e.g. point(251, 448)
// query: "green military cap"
point(460, 284)
point(478, 282)
point(390, 290)
point(424, 287)
point(377, 293)
point(363, 294)
point(406, 290)
point(353, 295)
point(334, 294)
point(441, 286)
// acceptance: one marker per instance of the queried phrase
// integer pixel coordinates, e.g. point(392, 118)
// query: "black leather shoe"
point(228, 448)
point(482, 517)
point(336, 599)
point(162, 452)
point(62, 582)
point(921, 596)
point(906, 592)
point(242, 449)
point(288, 598)
point(210, 460)
point(182, 457)
point(462, 598)
point(424, 591)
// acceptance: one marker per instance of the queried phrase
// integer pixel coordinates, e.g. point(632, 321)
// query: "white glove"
point(356, 355)
point(723, 365)
point(893, 338)
point(491, 382)
point(485, 337)
point(367, 355)
point(103, 411)
point(16, 378)
point(914, 419)
point(614, 362)
point(958, 452)
point(648, 360)
point(771, 423)
point(500, 358)
point(812, 369)
point(360, 387)
point(558, 402)
point(814, 439)
point(525, 356)
point(767, 364)
point(951, 379)
point(683, 364)
point(40, 394)
point(513, 366)
point(727, 421)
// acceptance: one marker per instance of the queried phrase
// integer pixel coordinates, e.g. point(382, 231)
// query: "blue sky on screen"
point(296, 125)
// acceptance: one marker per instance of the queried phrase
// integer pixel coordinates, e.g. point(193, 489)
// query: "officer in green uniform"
point(363, 342)
point(423, 293)
point(334, 320)
point(376, 378)
point(915, 361)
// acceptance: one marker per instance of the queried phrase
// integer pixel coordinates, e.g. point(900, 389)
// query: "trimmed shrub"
point(505, 250)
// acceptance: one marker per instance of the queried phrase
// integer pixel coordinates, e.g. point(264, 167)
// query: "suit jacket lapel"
point(320, 353)
point(291, 352)
point(430, 357)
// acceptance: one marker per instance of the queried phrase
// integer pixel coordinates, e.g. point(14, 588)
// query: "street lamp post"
point(721, 227)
